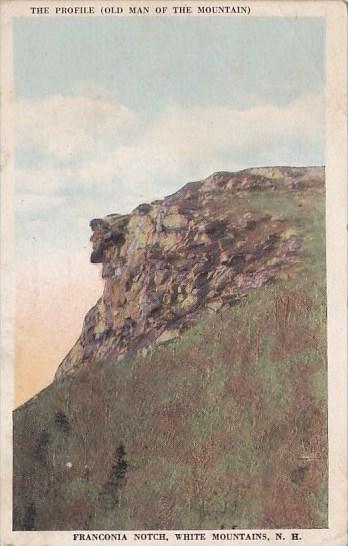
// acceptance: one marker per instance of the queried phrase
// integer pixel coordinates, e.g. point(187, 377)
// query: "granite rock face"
point(201, 248)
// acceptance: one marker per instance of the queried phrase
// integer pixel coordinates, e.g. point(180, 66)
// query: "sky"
point(112, 112)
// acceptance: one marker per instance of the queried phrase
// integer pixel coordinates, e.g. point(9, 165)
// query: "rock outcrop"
point(215, 299)
point(202, 247)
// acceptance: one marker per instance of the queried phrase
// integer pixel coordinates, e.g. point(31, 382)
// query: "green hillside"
point(223, 427)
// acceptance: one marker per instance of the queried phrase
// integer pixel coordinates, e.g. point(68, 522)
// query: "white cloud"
point(180, 145)
point(190, 144)
point(65, 126)
point(212, 130)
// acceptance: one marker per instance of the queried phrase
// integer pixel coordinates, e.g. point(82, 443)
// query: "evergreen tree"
point(119, 466)
point(112, 490)
point(61, 421)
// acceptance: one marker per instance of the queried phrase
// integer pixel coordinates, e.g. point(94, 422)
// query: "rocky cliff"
point(204, 246)
point(196, 395)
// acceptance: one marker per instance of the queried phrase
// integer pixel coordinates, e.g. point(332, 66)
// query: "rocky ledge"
point(201, 248)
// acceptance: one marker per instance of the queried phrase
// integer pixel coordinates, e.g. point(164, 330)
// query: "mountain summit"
point(196, 394)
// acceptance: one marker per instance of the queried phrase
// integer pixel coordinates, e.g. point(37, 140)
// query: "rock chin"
point(199, 249)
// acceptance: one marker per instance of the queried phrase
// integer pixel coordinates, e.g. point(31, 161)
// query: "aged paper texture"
point(173, 272)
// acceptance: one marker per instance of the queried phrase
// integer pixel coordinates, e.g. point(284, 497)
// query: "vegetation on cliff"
point(222, 426)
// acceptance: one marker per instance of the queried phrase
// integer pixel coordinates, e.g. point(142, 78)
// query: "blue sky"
point(115, 111)
point(146, 63)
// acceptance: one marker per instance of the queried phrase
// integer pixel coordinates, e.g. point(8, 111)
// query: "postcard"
point(173, 272)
